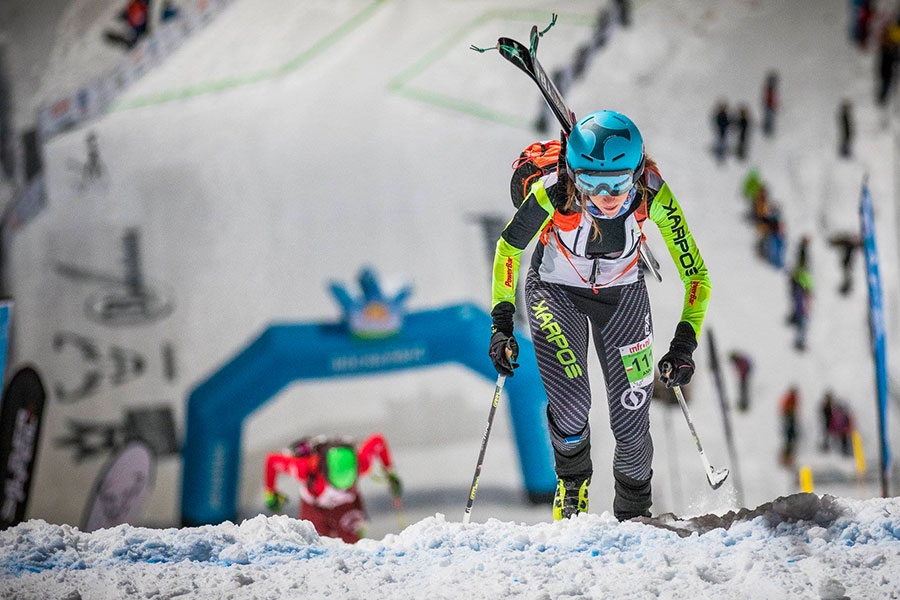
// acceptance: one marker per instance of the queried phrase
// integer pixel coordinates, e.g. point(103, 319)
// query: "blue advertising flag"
point(876, 325)
point(5, 309)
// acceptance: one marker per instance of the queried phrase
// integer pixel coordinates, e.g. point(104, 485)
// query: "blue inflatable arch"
point(283, 354)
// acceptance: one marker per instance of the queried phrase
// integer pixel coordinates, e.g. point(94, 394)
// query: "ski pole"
point(501, 379)
point(715, 477)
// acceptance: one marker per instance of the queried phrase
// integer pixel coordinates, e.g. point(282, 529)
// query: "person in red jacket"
point(790, 403)
point(328, 469)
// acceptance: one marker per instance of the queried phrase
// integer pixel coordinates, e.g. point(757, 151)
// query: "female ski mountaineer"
point(588, 215)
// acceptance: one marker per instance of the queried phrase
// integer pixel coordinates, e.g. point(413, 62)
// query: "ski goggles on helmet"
point(341, 468)
point(603, 183)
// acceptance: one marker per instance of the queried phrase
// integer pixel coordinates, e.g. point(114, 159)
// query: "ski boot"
point(571, 497)
point(633, 497)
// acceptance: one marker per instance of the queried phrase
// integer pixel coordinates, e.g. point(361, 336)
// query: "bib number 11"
point(638, 361)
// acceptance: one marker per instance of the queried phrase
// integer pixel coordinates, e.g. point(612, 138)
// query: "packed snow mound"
point(797, 546)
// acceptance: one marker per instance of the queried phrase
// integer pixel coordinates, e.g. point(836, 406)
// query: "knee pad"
point(572, 454)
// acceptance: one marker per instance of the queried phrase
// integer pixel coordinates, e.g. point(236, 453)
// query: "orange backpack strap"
point(533, 162)
point(562, 222)
point(643, 211)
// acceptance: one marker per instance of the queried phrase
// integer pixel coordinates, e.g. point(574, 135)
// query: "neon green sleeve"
point(668, 216)
point(528, 222)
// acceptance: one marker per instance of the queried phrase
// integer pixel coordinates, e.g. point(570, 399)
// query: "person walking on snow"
point(789, 405)
point(721, 122)
point(328, 470)
point(845, 129)
point(847, 243)
point(744, 366)
point(770, 103)
point(801, 285)
point(742, 120)
point(584, 274)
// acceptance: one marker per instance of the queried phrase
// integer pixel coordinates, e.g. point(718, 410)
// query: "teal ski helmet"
point(605, 154)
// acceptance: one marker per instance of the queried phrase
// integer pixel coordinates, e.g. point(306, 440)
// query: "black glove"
point(502, 339)
point(504, 361)
point(558, 193)
point(677, 366)
point(275, 501)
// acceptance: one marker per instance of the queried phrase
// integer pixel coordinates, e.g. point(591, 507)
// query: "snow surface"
point(248, 142)
point(838, 549)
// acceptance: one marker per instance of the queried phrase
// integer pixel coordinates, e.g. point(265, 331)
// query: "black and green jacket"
point(571, 254)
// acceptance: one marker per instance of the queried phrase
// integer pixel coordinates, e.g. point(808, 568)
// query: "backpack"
point(534, 162)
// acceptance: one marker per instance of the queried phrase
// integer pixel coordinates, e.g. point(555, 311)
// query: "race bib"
point(638, 361)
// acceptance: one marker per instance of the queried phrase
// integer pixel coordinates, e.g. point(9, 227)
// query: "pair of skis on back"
point(525, 58)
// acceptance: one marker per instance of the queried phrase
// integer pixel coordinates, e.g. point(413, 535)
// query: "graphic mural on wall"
point(115, 364)
point(123, 299)
point(154, 425)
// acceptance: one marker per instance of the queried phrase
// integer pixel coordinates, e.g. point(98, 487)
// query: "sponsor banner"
point(5, 313)
point(94, 96)
point(26, 206)
point(876, 326)
point(122, 488)
point(20, 428)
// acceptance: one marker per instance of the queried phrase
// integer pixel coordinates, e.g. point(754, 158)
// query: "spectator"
point(826, 411)
point(845, 123)
point(751, 185)
point(136, 17)
point(770, 229)
point(93, 167)
point(789, 405)
point(771, 103)
point(847, 244)
point(743, 124)
point(744, 366)
point(888, 53)
point(861, 18)
point(801, 294)
point(720, 123)
point(773, 237)
point(841, 428)
point(136, 14)
point(328, 470)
